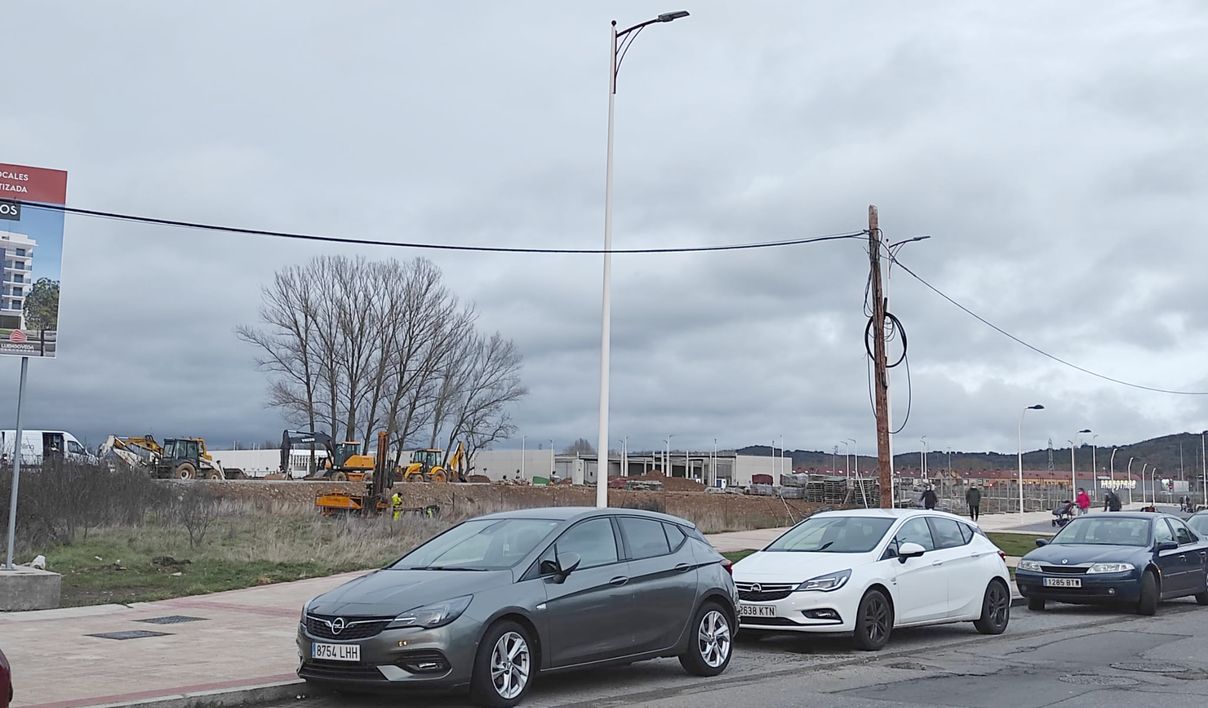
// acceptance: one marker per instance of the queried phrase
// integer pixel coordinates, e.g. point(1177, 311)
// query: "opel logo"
point(337, 625)
point(1065, 561)
point(756, 587)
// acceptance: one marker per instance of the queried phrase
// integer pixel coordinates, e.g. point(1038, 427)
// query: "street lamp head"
point(1085, 430)
point(1037, 407)
point(669, 16)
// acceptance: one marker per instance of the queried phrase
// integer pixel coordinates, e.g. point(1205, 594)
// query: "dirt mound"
point(670, 484)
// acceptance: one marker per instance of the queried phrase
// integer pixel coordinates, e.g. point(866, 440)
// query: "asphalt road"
point(1066, 656)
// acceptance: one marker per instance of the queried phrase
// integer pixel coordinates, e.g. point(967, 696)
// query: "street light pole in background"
point(522, 450)
point(1037, 407)
point(1094, 469)
point(855, 456)
point(615, 55)
point(1143, 468)
point(1073, 469)
point(1112, 462)
point(923, 457)
point(1204, 460)
point(846, 458)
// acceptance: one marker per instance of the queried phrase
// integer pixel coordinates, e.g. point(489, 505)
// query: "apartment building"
point(16, 276)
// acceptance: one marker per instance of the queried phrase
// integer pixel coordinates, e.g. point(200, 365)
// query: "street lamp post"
point(1037, 407)
point(923, 458)
point(1112, 463)
point(1143, 468)
point(1204, 462)
point(667, 456)
point(1153, 486)
point(846, 458)
point(522, 451)
point(1073, 469)
point(615, 55)
point(855, 456)
point(1094, 469)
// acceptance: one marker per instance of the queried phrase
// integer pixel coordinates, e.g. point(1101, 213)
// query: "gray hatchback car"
point(495, 600)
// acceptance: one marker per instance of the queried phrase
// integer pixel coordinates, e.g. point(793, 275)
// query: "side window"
point(947, 532)
point(644, 537)
point(75, 448)
point(675, 536)
point(592, 540)
point(967, 532)
point(1161, 531)
point(916, 531)
point(1182, 534)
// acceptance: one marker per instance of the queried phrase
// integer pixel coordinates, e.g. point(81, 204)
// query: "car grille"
point(354, 628)
point(768, 622)
point(339, 671)
point(766, 592)
point(1064, 569)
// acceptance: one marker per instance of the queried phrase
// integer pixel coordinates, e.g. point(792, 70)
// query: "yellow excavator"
point(344, 460)
point(426, 466)
point(374, 500)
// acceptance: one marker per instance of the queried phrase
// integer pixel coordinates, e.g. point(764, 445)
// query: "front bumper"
point(1098, 588)
point(817, 612)
point(413, 657)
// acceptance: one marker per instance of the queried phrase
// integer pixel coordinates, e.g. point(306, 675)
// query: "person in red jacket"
point(1083, 500)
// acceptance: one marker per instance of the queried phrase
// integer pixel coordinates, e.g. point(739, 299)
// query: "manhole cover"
point(1150, 667)
point(1097, 680)
point(172, 619)
point(133, 634)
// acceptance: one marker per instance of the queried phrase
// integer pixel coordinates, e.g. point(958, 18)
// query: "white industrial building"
point(727, 467)
point(16, 277)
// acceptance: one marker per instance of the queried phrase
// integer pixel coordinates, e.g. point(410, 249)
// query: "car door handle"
point(681, 567)
point(618, 581)
point(937, 564)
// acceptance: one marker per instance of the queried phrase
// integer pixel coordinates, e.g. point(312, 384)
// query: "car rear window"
point(644, 537)
point(947, 533)
point(675, 535)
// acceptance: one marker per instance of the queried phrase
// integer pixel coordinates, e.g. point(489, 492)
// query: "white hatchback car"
point(868, 571)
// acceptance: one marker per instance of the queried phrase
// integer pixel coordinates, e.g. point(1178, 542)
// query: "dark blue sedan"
point(1136, 559)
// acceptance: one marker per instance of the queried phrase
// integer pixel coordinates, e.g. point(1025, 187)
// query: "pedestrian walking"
point(1083, 501)
point(1111, 502)
point(973, 499)
point(929, 499)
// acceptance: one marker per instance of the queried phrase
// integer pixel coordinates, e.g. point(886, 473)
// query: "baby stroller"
point(1063, 513)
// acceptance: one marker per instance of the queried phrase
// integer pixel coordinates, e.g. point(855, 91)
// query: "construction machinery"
point(428, 465)
point(374, 500)
point(344, 460)
point(176, 458)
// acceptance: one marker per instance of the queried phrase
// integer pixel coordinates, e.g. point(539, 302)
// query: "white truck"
point(39, 445)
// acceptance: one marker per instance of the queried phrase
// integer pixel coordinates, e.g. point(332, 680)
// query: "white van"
point(39, 445)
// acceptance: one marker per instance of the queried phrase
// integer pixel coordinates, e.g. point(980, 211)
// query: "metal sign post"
point(12, 502)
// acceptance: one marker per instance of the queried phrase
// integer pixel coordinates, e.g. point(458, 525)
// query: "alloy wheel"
point(510, 665)
point(713, 639)
point(1000, 604)
point(876, 617)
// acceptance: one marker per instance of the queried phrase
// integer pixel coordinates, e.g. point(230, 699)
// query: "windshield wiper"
point(447, 567)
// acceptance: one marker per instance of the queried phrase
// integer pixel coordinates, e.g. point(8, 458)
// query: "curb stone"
point(224, 698)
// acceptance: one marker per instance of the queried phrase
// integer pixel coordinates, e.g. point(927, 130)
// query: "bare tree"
point(580, 447)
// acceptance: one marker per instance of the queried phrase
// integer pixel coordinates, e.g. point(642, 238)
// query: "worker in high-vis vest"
point(396, 503)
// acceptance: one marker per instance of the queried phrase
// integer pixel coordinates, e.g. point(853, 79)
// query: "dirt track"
point(712, 512)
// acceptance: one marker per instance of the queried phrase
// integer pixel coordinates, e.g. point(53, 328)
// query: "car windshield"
point(479, 544)
point(1105, 531)
point(1199, 524)
point(833, 534)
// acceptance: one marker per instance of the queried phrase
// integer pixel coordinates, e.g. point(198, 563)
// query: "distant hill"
point(1162, 452)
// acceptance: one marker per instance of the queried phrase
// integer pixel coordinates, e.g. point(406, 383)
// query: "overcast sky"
point(1055, 152)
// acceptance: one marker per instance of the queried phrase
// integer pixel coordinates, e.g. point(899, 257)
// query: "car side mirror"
point(906, 551)
point(1042, 542)
point(568, 564)
point(1166, 546)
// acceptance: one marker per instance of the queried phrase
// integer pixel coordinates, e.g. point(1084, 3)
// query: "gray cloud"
point(1054, 152)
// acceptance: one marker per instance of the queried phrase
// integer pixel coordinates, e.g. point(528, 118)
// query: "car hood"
point(1073, 554)
point(386, 593)
point(792, 566)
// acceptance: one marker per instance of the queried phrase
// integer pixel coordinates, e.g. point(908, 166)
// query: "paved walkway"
point(239, 639)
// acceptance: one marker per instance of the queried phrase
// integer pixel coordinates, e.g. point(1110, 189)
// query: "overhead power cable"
point(1038, 350)
point(116, 216)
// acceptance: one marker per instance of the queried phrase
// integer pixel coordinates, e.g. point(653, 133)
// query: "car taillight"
point(725, 563)
point(1003, 556)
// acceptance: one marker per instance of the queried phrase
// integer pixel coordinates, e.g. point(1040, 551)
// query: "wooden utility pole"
point(884, 474)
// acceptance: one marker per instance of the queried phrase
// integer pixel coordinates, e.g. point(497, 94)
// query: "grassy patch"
point(736, 556)
point(1015, 544)
point(241, 549)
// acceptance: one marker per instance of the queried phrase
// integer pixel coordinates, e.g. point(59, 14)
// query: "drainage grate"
point(134, 634)
point(172, 619)
point(1150, 667)
point(1096, 680)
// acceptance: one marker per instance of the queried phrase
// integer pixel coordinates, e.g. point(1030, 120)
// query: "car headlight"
point(438, 614)
point(825, 583)
point(1029, 565)
point(1110, 568)
point(306, 610)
